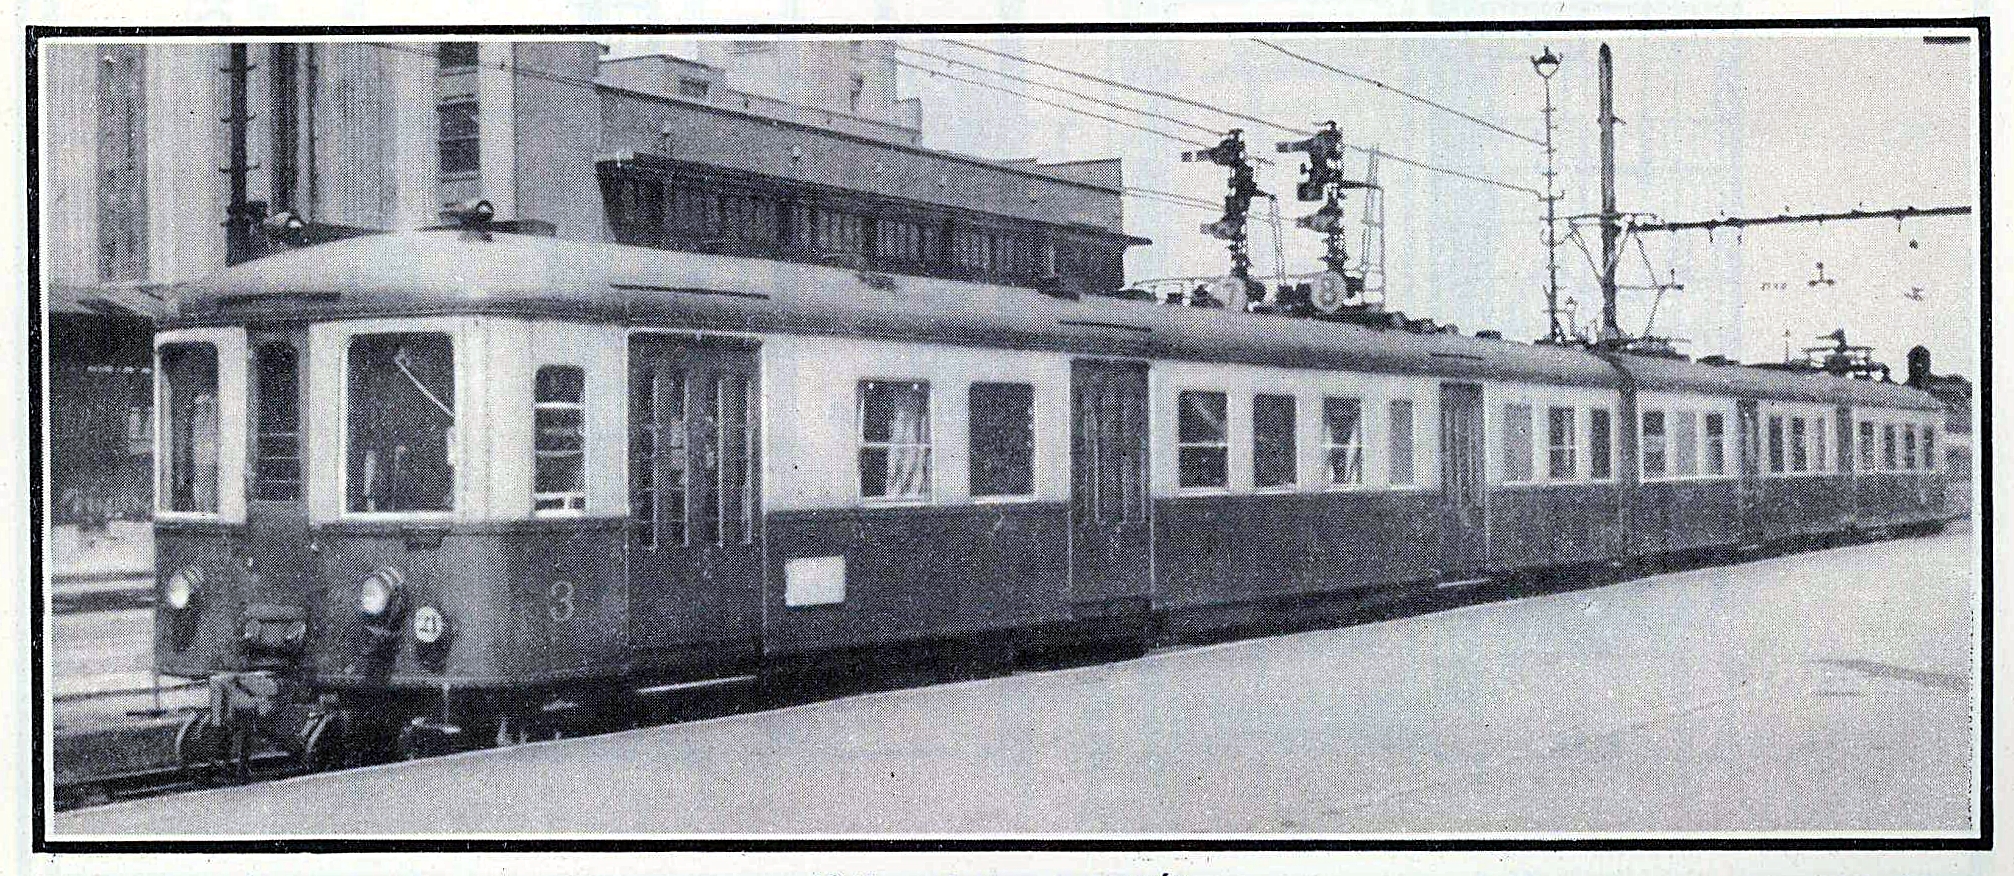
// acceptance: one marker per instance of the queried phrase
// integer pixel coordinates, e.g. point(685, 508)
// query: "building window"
point(839, 232)
point(122, 164)
point(189, 428)
point(1684, 443)
point(973, 251)
point(1716, 444)
point(693, 88)
point(1560, 438)
point(1273, 456)
point(1798, 461)
point(1866, 446)
point(748, 217)
point(899, 241)
point(1888, 447)
point(1002, 424)
point(402, 421)
point(276, 466)
point(460, 136)
point(1343, 440)
point(1402, 441)
point(1202, 451)
point(1517, 442)
point(1653, 444)
point(457, 55)
point(559, 448)
point(1600, 444)
point(858, 87)
point(1776, 444)
point(1909, 446)
point(894, 440)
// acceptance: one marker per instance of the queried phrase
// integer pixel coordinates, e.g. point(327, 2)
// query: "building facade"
point(160, 160)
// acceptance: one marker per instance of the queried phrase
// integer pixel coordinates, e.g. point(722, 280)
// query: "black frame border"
point(1982, 456)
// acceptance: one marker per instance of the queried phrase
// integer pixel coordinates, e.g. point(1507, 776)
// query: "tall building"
point(161, 159)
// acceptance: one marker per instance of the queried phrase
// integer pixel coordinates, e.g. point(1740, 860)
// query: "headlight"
point(429, 625)
point(183, 587)
point(378, 595)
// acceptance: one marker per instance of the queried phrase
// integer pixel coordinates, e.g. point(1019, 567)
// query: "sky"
point(1750, 123)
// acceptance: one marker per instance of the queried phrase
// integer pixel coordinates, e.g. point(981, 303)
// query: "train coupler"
point(243, 720)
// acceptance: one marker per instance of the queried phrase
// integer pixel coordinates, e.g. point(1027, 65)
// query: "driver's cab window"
point(400, 453)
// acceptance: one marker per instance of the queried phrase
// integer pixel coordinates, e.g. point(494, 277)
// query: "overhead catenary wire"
point(1245, 117)
point(1400, 92)
point(1058, 88)
point(1029, 97)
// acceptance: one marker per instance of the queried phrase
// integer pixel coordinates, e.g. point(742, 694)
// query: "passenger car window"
point(1653, 444)
point(1560, 441)
point(1684, 443)
point(1402, 441)
point(1888, 446)
point(1202, 451)
point(1716, 444)
point(1273, 456)
point(1866, 446)
point(1776, 443)
point(1600, 440)
point(559, 470)
point(1798, 460)
point(401, 422)
point(894, 439)
point(1929, 447)
point(1002, 433)
point(1343, 440)
point(189, 427)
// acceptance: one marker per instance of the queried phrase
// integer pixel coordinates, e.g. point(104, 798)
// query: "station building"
point(160, 160)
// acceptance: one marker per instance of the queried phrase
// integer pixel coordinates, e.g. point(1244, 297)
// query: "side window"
point(1798, 460)
point(1343, 441)
point(1653, 444)
point(1002, 431)
point(1402, 441)
point(1929, 447)
point(1600, 441)
point(1776, 443)
point(189, 428)
point(894, 440)
point(1517, 443)
point(1202, 451)
point(1818, 444)
point(276, 469)
point(657, 455)
point(1888, 446)
point(401, 422)
point(559, 447)
point(1684, 443)
point(1909, 445)
point(1866, 446)
point(1273, 456)
point(1560, 433)
point(1716, 444)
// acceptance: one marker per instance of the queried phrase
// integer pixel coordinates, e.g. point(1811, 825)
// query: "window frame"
point(441, 55)
point(163, 410)
point(442, 140)
point(1606, 458)
point(1411, 454)
point(971, 451)
point(1928, 447)
point(1291, 440)
point(458, 356)
point(1571, 447)
point(1359, 447)
point(1643, 435)
point(1890, 461)
point(1529, 464)
point(1868, 435)
point(862, 445)
point(1713, 444)
point(1222, 446)
point(1799, 443)
point(1776, 455)
point(567, 508)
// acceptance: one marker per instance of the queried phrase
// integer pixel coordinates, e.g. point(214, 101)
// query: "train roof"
point(452, 271)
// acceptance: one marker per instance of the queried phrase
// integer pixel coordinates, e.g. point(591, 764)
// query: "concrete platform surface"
point(1816, 693)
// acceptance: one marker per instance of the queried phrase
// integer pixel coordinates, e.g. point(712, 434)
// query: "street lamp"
point(1545, 66)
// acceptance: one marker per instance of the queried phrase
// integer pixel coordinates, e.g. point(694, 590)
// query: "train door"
point(1464, 526)
point(1748, 426)
point(695, 539)
point(276, 512)
point(1110, 534)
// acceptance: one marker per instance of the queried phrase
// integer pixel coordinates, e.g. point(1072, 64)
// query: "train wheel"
point(199, 748)
point(326, 743)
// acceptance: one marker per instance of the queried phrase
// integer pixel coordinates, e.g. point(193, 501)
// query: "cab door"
point(1464, 525)
point(695, 530)
point(281, 569)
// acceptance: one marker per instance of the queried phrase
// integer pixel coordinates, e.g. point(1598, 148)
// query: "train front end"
point(347, 546)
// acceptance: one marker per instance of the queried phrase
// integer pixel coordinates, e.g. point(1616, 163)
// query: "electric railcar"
point(431, 483)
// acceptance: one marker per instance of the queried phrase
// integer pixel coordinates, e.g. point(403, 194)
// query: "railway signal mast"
point(1325, 183)
point(1244, 186)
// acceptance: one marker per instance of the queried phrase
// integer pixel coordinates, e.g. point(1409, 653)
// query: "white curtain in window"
point(909, 440)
